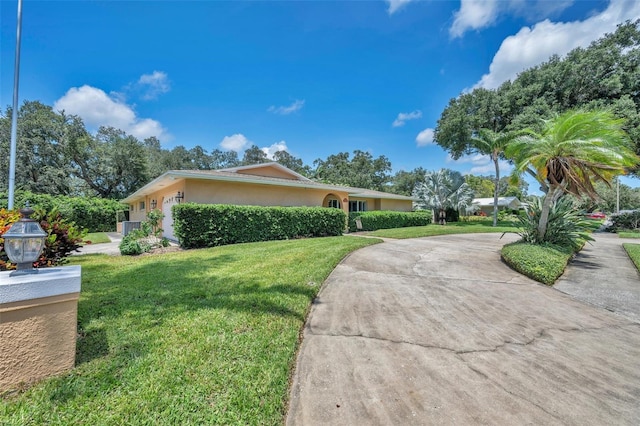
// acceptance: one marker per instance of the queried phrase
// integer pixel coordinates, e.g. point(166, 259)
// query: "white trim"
point(45, 283)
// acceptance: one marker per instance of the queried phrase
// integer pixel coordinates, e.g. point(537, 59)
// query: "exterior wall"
point(38, 334)
point(208, 192)
point(136, 214)
point(396, 205)
point(372, 203)
point(384, 204)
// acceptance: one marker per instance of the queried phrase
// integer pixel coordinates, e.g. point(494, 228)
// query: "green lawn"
point(628, 234)
point(96, 238)
point(633, 250)
point(186, 338)
point(449, 228)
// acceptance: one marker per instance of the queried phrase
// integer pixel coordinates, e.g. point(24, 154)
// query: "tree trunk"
point(548, 201)
point(495, 189)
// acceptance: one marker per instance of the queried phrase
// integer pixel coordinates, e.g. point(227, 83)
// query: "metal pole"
point(618, 194)
point(14, 114)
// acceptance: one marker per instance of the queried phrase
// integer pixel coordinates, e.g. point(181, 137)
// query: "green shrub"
point(541, 262)
point(91, 213)
point(62, 237)
point(566, 226)
point(208, 225)
point(146, 238)
point(130, 246)
point(508, 215)
point(628, 221)
point(383, 219)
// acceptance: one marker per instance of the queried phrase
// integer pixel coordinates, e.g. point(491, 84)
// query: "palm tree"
point(574, 150)
point(441, 190)
point(493, 144)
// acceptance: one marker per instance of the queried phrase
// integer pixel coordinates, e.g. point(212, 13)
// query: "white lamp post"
point(23, 242)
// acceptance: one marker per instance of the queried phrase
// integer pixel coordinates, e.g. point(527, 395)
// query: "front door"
point(167, 221)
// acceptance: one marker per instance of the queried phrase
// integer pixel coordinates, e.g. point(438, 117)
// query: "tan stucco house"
point(268, 184)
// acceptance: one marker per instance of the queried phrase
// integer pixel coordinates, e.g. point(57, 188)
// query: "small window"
point(141, 205)
point(357, 206)
point(333, 203)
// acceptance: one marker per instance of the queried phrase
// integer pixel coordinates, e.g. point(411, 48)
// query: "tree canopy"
point(59, 156)
point(362, 171)
point(604, 75)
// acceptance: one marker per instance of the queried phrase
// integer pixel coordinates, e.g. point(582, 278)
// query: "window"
point(141, 205)
point(357, 206)
point(333, 203)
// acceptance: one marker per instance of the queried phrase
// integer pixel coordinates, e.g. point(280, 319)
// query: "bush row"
point(208, 225)
point(541, 262)
point(375, 220)
point(94, 214)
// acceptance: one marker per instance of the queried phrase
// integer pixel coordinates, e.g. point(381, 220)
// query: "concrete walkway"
point(439, 331)
point(111, 248)
point(603, 275)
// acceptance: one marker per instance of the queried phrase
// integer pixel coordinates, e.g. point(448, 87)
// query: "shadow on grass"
point(91, 344)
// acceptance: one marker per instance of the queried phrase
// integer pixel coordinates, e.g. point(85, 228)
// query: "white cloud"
point(473, 14)
point(237, 142)
point(478, 14)
point(481, 164)
point(403, 117)
point(271, 150)
point(97, 109)
point(425, 137)
point(154, 84)
point(395, 5)
point(534, 45)
point(286, 110)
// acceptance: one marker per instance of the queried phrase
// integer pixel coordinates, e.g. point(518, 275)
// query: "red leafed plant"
point(62, 238)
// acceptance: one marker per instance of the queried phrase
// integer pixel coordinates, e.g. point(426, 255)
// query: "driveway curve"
point(439, 331)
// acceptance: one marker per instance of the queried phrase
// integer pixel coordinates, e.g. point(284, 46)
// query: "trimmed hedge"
point(541, 262)
point(208, 225)
point(383, 219)
point(91, 213)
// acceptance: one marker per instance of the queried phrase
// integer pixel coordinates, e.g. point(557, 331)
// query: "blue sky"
point(312, 77)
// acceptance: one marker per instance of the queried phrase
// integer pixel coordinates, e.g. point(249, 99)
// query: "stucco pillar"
point(38, 324)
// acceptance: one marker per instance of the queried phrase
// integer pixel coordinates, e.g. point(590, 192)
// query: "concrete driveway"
point(112, 248)
point(439, 331)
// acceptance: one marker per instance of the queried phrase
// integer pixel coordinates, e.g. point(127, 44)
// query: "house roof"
point(239, 174)
point(272, 165)
point(502, 202)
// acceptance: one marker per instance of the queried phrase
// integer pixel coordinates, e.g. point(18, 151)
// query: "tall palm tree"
point(493, 144)
point(573, 151)
point(441, 190)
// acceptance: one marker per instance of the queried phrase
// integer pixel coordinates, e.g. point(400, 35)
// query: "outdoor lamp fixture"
point(23, 242)
point(154, 204)
point(180, 196)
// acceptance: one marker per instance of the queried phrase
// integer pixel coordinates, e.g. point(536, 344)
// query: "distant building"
point(485, 205)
